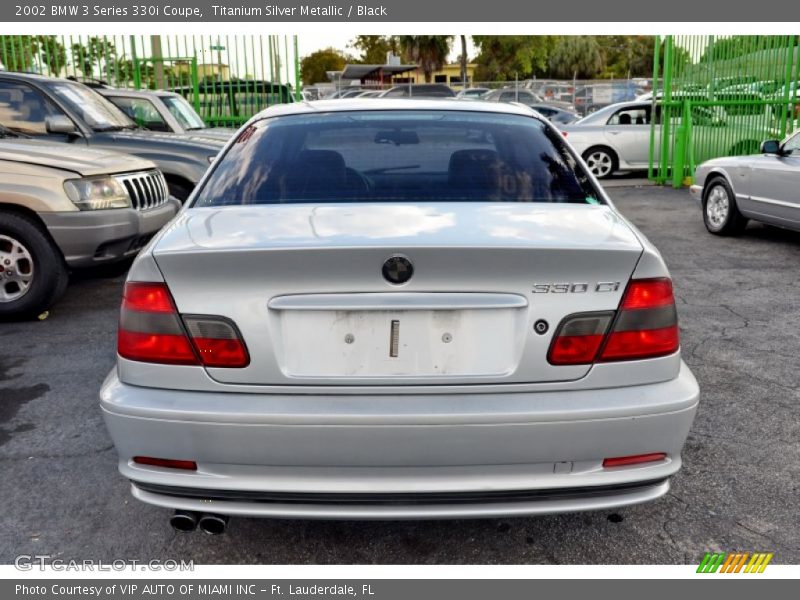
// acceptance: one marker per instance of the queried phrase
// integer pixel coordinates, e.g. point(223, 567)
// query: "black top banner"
point(195, 11)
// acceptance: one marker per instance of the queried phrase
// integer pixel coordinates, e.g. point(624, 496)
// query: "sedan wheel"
point(720, 213)
point(717, 207)
point(16, 269)
point(600, 162)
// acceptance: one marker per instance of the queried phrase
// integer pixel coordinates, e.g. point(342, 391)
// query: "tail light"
point(646, 326)
point(151, 330)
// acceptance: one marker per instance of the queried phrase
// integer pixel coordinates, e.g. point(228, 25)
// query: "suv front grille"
point(147, 189)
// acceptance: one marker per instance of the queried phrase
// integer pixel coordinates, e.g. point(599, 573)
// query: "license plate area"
point(471, 342)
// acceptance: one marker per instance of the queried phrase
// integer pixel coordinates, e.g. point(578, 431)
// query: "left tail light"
point(151, 330)
point(646, 326)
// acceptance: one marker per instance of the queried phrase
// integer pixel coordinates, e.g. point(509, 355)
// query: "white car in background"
point(617, 137)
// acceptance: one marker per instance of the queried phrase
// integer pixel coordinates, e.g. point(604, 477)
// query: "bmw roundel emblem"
point(397, 270)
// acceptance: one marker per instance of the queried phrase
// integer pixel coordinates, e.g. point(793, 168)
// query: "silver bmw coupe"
point(397, 309)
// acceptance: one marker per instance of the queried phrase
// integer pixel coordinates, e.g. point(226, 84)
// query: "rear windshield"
point(397, 156)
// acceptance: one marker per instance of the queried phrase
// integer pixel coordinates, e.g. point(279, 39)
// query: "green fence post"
point(666, 111)
point(681, 144)
point(195, 85)
point(787, 86)
point(656, 57)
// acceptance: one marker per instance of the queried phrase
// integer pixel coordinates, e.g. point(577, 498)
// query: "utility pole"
point(158, 61)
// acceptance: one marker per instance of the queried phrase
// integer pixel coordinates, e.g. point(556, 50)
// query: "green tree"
point(508, 57)
point(314, 66)
point(97, 52)
point(373, 48)
point(19, 51)
point(428, 51)
point(576, 57)
point(733, 47)
point(626, 56)
point(52, 54)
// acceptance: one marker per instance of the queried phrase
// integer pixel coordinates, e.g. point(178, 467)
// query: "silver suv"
point(69, 112)
point(60, 210)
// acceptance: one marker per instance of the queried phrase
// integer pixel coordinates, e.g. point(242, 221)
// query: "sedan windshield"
point(97, 112)
point(397, 156)
point(183, 112)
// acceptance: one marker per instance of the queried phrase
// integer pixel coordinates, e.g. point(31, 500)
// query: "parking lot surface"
point(60, 493)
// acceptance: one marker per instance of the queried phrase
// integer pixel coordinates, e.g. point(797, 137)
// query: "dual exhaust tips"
point(186, 521)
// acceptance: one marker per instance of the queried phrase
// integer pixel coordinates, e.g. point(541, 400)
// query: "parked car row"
point(82, 183)
point(555, 110)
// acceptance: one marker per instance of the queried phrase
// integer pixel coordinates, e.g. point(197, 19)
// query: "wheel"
point(720, 213)
point(179, 190)
point(602, 161)
point(32, 270)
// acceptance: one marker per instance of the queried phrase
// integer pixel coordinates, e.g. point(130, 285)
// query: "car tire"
point(32, 270)
point(721, 216)
point(602, 161)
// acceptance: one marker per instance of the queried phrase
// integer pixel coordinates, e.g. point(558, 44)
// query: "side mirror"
point(60, 124)
point(771, 147)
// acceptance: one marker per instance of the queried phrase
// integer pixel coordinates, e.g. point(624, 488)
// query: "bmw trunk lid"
point(382, 294)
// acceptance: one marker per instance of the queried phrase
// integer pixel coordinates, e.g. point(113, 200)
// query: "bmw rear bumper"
point(440, 456)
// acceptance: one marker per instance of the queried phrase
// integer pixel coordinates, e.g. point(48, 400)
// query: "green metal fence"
point(720, 96)
point(227, 78)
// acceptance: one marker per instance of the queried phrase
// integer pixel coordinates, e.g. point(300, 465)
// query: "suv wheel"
point(32, 270)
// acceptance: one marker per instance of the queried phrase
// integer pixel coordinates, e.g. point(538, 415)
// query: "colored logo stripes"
point(734, 562)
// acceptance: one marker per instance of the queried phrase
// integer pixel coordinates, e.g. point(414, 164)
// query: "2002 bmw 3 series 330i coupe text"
point(398, 309)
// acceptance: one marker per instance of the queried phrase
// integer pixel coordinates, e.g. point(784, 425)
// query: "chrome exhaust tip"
point(184, 521)
point(213, 524)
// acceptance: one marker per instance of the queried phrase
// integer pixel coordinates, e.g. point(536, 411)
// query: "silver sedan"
point(763, 187)
point(397, 310)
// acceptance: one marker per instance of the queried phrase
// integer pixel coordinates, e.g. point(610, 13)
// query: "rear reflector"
point(636, 459)
point(151, 330)
point(167, 463)
point(646, 326)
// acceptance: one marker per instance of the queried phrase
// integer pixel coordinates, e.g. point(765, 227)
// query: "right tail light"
point(646, 326)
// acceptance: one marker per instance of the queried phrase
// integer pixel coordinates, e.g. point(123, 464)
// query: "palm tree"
point(464, 62)
point(576, 57)
point(428, 51)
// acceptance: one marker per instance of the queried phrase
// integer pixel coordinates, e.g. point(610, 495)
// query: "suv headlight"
point(97, 193)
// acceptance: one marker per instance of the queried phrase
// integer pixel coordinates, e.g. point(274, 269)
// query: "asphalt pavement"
point(61, 495)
